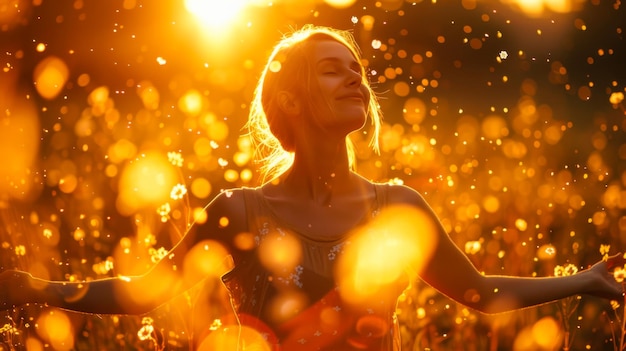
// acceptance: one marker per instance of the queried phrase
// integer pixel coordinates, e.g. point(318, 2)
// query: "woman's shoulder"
point(229, 204)
point(400, 194)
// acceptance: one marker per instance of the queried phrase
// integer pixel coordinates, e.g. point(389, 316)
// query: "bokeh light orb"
point(145, 182)
point(50, 77)
point(340, 4)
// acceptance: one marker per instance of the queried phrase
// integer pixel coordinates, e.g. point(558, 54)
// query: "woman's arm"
point(203, 251)
point(451, 272)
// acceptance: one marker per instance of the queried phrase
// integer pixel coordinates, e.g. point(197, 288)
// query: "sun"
point(215, 13)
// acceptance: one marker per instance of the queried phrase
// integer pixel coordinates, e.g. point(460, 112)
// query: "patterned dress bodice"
point(286, 288)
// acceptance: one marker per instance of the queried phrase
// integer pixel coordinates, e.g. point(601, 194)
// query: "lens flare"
point(50, 77)
point(215, 13)
point(232, 337)
point(280, 252)
point(340, 4)
point(207, 258)
point(19, 146)
point(56, 328)
point(146, 181)
point(400, 239)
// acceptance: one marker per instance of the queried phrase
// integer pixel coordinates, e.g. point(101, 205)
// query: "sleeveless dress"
point(300, 306)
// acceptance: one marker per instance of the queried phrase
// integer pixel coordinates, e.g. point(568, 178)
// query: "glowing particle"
point(50, 76)
point(616, 98)
point(222, 162)
point(223, 222)
point(275, 66)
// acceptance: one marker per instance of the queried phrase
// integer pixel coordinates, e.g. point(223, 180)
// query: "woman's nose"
point(354, 78)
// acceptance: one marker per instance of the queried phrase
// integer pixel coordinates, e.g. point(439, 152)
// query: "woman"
point(306, 244)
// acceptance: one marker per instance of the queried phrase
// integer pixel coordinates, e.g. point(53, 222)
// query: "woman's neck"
point(319, 174)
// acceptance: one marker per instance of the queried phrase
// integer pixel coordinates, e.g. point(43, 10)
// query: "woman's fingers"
point(615, 261)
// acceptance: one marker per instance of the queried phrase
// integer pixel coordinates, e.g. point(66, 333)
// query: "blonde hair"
point(288, 69)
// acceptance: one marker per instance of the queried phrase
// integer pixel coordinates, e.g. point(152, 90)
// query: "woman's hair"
point(288, 68)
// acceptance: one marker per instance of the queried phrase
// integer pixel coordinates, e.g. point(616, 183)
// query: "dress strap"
point(381, 190)
point(256, 213)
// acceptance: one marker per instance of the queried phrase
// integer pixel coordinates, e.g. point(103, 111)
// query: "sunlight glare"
point(215, 13)
point(366, 270)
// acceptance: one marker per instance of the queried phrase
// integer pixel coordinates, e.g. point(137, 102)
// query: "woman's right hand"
point(14, 288)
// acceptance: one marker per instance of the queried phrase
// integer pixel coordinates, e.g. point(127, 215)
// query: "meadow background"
point(120, 120)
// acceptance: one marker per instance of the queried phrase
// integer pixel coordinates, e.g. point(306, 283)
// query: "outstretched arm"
point(119, 295)
point(451, 272)
point(174, 274)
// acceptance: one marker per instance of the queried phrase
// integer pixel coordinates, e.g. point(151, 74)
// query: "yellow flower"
point(157, 255)
point(614, 304)
point(558, 271)
point(145, 332)
point(178, 191)
point(164, 211)
point(20, 250)
point(604, 251)
point(619, 274)
point(175, 158)
point(217, 324)
point(568, 269)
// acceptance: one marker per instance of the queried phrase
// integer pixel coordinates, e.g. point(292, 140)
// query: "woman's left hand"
point(604, 283)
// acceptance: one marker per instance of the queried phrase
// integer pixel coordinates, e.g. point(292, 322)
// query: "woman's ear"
point(288, 103)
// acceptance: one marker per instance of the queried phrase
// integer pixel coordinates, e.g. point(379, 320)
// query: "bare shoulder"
point(226, 213)
point(231, 201)
point(228, 203)
point(404, 195)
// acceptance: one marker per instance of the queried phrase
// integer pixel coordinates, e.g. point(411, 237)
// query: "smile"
point(358, 97)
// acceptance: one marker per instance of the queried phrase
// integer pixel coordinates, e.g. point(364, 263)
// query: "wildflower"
point(570, 269)
point(472, 247)
point(558, 271)
point(164, 211)
point(145, 332)
point(157, 255)
point(561, 271)
point(217, 323)
point(619, 274)
point(178, 191)
point(20, 250)
point(175, 158)
point(149, 240)
point(103, 267)
point(147, 329)
point(604, 251)
point(614, 304)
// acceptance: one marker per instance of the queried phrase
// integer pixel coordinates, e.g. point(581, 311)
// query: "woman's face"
point(340, 101)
